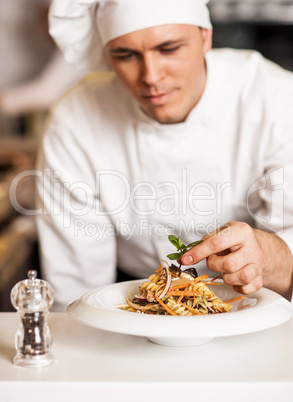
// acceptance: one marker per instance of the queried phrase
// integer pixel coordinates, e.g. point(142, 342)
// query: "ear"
point(207, 36)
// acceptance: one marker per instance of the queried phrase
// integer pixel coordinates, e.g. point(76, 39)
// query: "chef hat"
point(81, 28)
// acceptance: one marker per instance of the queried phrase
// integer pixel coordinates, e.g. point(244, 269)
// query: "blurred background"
point(33, 75)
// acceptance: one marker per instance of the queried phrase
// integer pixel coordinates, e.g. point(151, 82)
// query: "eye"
point(170, 49)
point(124, 56)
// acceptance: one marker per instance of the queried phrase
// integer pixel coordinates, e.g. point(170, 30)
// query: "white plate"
point(261, 310)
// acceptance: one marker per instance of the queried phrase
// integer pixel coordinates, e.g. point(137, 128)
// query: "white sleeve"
point(77, 240)
point(273, 210)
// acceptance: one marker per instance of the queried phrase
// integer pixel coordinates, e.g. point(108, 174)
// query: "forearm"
point(278, 263)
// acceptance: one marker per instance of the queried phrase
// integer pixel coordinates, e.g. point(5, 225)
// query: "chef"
point(178, 139)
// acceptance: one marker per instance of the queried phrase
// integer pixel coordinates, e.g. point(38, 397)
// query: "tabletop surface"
point(115, 364)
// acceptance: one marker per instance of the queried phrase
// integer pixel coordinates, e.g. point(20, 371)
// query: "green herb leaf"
point(180, 247)
point(174, 256)
point(174, 241)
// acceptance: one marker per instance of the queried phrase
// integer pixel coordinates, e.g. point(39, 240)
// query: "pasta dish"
point(171, 291)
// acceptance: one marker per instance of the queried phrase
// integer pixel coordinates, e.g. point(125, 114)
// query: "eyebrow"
point(164, 44)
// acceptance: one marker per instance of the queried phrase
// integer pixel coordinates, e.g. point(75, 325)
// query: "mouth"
point(157, 99)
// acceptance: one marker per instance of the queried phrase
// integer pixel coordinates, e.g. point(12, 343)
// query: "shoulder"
point(249, 61)
point(252, 75)
point(97, 97)
point(88, 122)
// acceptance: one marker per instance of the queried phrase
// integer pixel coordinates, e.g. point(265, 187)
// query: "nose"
point(151, 70)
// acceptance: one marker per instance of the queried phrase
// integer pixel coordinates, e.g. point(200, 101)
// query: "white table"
point(94, 365)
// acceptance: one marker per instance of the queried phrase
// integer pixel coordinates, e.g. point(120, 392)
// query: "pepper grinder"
point(32, 298)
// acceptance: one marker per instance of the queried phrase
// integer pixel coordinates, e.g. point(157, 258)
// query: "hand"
point(233, 250)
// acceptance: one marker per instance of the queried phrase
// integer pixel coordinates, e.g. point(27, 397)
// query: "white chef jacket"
point(114, 183)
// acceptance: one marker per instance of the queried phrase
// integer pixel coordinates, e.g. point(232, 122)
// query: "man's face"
point(163, 68)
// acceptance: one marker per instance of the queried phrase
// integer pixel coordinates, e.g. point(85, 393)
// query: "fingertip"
point(187, 259)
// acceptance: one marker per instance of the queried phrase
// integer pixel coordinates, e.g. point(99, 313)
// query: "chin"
point(169, 116)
